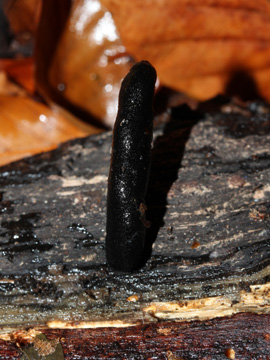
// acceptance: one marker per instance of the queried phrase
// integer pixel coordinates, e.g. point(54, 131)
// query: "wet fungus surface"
point(130, 168)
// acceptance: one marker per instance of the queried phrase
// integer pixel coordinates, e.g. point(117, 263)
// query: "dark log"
point(243, 336)
point(208, 202)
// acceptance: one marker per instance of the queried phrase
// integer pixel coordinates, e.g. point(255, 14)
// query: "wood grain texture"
point(244, 336)
point(208, 201)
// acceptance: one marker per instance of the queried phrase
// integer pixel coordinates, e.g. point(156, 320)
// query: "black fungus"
point(129, 171)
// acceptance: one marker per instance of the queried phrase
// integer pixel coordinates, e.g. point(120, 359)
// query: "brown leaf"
point(200, 48)
point(9, 88)
point(21, 71)
point(23, 15)
point(28, 127)
point(80, 59)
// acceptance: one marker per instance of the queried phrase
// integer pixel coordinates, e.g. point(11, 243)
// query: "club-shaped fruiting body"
point(129, 170)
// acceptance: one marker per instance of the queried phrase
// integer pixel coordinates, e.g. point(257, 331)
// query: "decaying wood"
point(244, 336)
point(208, 202)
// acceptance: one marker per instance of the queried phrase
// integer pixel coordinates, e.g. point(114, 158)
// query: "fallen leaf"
point(43, 349)
point(80, 59)
point(9, 88)
point(21, 71)
point(201, 48)
point(23, 15)
point(28, 127)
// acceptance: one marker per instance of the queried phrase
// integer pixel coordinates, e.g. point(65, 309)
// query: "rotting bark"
point(243, 336)
point(208, 202)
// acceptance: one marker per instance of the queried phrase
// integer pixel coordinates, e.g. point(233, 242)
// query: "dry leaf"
point(81, 60)
point(23, 15)
point(21, 71)
point(9, 88)
point(28, 127)
point(199, 47)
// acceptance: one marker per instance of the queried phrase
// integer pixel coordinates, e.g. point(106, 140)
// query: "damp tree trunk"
point(204, 290)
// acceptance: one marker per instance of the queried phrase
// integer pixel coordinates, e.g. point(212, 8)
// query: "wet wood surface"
point(208, 202)
point(244, 336)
